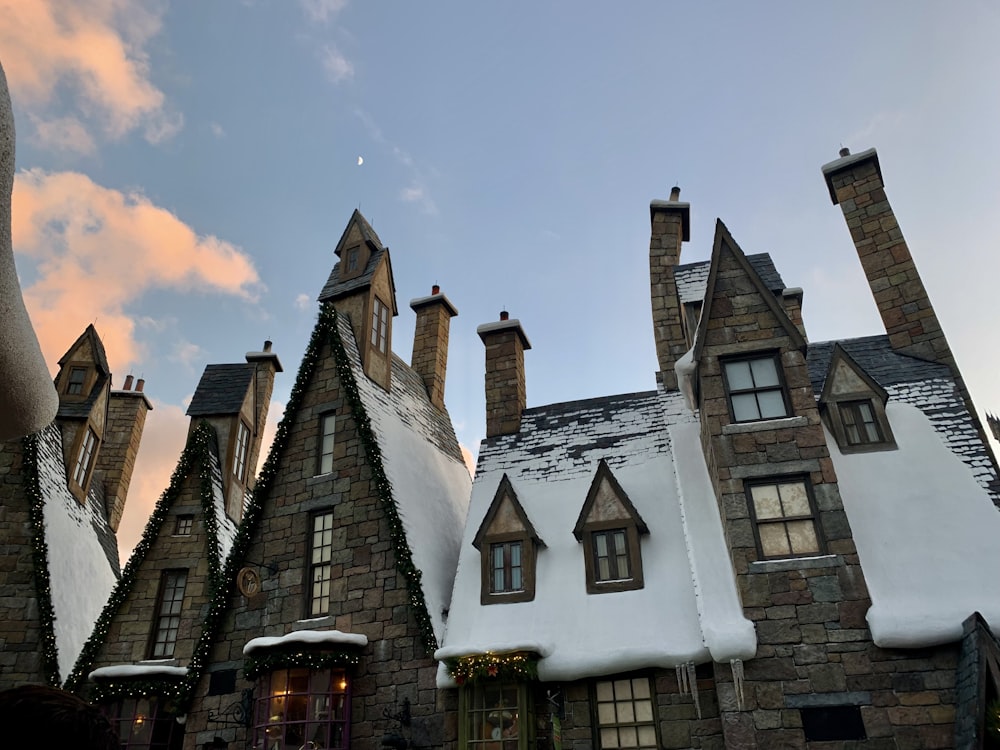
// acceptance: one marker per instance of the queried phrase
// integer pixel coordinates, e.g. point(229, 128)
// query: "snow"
point(582, 635)
point(686, 370)
point(306, 638)
point(927, 534)
point(225, 526)
point(80, 572)
point(431, 488)
point(151, 669)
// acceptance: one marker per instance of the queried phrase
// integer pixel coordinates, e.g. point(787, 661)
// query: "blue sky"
point(187, 168)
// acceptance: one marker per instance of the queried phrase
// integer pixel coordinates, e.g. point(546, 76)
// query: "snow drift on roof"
point(137, 670)
point(306, 638)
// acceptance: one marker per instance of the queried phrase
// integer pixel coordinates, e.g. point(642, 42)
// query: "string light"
point(517, 666)
point(255, 666)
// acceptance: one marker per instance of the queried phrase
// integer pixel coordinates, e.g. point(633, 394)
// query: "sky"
point(186, 169)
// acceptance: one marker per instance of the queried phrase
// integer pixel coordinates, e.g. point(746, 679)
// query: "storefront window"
point(494, 716)
point(143, 723)
point(302, 709)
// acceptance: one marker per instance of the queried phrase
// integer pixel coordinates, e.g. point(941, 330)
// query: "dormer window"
point(380, 325)
point(76, 380)
point(609, 528)
point(241, 452)
point(853, 405)
point(508, 546)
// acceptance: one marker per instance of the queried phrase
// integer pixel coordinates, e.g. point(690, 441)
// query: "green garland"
point(257, 665)
point(169, 689)
point(514, 667)
point(40, 561)
point(198, 448)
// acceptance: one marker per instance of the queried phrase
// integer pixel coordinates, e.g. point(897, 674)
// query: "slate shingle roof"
point(335, 288)
point(221, 390)
point(692, 277)
point(877, 357)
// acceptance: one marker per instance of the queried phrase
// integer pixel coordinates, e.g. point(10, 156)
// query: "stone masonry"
point(670, 227)
point(506, 395)
point(126, 419)
point(430, 342)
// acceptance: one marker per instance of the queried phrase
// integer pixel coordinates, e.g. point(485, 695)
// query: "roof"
point(80, 409)
point(221, 390)
point(334, 287)
point(691, 278)
point(551, 463)
point(876, 356)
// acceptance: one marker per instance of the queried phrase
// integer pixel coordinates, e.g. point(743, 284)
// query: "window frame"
point(507, 566)
point(126, 713)
point(164, 614)
point(379, 338)
point(613, 556)
point(86, 457)
point(468, 707)
point(813, 517)
point(596, 585)
point(311, 567)
point(321, 453)
point(184, 524)
point(241, 452)
point(269, 696)
point(77, 387)
point(836, 408)
point(781, 387)
point(596, 712)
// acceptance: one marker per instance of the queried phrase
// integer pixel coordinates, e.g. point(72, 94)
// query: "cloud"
point(322, 11)
point(416, 193)
point(275, 411)
point(217, 130)
point(93, 51)
point(62, 134)
point(469, 458)
point(187, 353)
point(338, 68)
point(95, 250)
point(303, 301)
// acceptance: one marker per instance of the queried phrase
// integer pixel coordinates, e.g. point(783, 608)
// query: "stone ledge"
point(796, 563)
point(764, 424)
point(812, 700)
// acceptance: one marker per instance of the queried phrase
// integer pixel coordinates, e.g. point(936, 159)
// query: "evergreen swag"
point(325, 332)
point(40, 561)
point(514, 667)
point(200, 446)
point(255, 666)
point(170, 690)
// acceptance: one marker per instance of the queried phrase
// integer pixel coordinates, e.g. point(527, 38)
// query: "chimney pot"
point(267, 345)
point(435, 289)
point(845, 152)
point(675, 194)
point(504, 315)
point(139, 384)
point(128, 383)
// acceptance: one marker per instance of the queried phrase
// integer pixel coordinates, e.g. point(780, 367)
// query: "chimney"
point(116, 460)
point(266, 366)
point(505, 389)
point(791, 299)
point(671, 225)
point(430, 342)
point(128, 383)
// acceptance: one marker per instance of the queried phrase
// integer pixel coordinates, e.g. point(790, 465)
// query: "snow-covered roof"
point(306, 638)
point(422, 460)
point(149, 669)
point(926, 533)
point(82, 551)
point(691, 278)
point(688, 609)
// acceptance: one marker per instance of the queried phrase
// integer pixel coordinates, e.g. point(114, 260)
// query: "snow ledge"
point(306, 638)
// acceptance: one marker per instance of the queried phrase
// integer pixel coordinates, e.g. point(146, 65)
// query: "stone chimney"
point(671, 225)
point(506, 395)
point(266, 366)
point(126, 418)
point(430, 342)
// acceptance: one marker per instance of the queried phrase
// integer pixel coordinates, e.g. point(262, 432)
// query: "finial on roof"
point(844, 151)
point(675, 194)
point(504, 315)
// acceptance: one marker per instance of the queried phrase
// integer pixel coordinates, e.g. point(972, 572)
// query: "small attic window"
point(76, 380)
point(85, 459)
point(853, 405)
point(609, 527)
point(380, 325)
point(508, 547)
point(352, 259)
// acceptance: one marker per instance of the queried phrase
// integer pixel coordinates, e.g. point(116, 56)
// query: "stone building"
point(62, 493)
point(785, 544)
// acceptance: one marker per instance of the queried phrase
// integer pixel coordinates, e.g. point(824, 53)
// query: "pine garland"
point(513, 667)
point(171, 690)
point(258, 665)
point(197, 449)
point(40, 561)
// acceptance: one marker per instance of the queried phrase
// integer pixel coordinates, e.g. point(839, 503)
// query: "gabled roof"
point(876, 357)
point(221, 390)
point(604, 474)
point(81, 409)
point(691, 277)
point(335, 288)
point(505, 491)
point(839, 354)
point(100, 357)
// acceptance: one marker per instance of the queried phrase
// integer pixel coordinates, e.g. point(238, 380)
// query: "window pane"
point(643, 711)
point(623, 689)
point(625, 711)
point(640, 687)
point(738, 375)
point(605, 713)
point(773, 541)
point(627, 737)
point(745, 407)
point(766, 502)
point(765, 374)
point(609, 738)
point(605, 691)
point(795, 499)
point(647, 737)
point(802, 535)
point(772, 404)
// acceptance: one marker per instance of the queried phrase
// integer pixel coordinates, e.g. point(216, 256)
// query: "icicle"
point(737, 666)
point(681, 679)
point(693, 684)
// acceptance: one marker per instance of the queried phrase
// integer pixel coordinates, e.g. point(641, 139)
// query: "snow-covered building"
point(785, 544)
point(62, 494)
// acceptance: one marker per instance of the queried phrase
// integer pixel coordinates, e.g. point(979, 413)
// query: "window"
point(611, 555)
point(85, 458)
point(494, 716)
point(380, 326)
point(853, 406)
point(860, 426)
point(320, 567)
point(609, 527)
point(168, 618)
point(302, 708)
point(755, 388)
point(352, 259)
point(784, 517)
point(625, 714)
point(506, 576)
point(144, 723)
point(326, 435)
point(183, 525)
point(77, 378)
point(241, 452)
point(828, 723)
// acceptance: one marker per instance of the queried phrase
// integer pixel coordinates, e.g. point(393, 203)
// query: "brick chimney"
point(430, 342)
point(127, 410)
point(670, 226)
point(266, 366)
point(505, 389)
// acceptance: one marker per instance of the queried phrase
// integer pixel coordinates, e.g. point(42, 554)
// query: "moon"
point(361, 160)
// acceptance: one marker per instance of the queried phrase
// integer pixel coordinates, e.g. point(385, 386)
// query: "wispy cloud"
point(322, 11)
point(418, 194)
point(62, 134)
point(338, 68)
point(95, 49)
point(303, 301)
point(217, 130)
point(187, 353)
point(95, 250)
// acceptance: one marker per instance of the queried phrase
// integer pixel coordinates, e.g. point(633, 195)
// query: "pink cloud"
point(95, 250)
point(93, 47)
